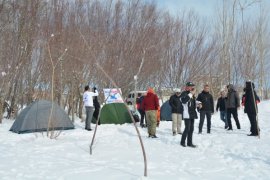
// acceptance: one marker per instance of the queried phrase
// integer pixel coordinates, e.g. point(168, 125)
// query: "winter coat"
point(150, 102)
point(88, 98)
point(96, 106)
point(96, 103)
point(189, 105)
point(249, 103)
point(232, 99)
point(207, 101)
point(176, 104)
point(221, 104)
point(139, 102)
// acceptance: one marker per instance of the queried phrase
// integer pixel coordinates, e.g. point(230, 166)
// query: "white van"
point(131, 96)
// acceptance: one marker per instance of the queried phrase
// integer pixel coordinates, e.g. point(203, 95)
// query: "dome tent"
point(114, 113)
point(166, 112)
point(35, 118)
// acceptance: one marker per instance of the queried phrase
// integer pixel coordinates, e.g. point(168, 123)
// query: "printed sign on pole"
point(113, 96)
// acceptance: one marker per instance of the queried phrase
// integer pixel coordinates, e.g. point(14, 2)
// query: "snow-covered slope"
point(117, 153)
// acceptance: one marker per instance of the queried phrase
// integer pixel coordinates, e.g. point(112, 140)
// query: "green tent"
point(114, 113)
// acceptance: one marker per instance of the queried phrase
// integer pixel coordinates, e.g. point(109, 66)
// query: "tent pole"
point(97, 121)
point(134, 123)
point(94, 135)
point(137, 130)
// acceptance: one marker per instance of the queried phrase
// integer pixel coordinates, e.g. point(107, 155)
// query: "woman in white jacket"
point(89, 106)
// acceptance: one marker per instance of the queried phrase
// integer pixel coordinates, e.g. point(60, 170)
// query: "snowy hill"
point(117, 153)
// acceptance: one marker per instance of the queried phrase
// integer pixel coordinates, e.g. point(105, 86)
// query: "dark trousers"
point(253, 123)
point(188, 132)
point(142, 113)
point(95, 114)
point(223, 117)
point(208, 117)
point(230, 112)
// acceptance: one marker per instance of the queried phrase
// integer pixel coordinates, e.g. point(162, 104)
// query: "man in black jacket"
point(188, 100)
point(232, 104)
point(250, 102)
point(177, 111)
point(207, 108)
point(221, 107)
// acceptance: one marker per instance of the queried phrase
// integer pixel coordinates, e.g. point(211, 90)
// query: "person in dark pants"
point(250, 101)
point(96, 106)
point(232, 104)
point(141, 111)
point(207, 108)
point(221, 107)
point(188, 100)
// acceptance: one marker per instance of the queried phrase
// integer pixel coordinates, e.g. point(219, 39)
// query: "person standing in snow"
point(141, 111)
point(207, 108)
point(89, 106)
point(177, 111)
point(221, 107)
point(96, 106)
point(150, 105)
point(188, 100)
point(250, 101)
point(232, 104)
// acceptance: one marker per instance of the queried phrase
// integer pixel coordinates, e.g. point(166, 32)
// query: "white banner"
point(113, 96)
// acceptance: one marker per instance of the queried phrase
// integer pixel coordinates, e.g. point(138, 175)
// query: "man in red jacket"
point(150, 105)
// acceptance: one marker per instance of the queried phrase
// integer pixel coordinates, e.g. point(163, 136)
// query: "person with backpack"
point(177, 111)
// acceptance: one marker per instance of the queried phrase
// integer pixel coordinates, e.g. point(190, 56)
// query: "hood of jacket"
point(204, 92)
point(150, 91)
point(231, 87)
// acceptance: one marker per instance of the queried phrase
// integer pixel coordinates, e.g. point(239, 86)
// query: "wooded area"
point(56, 46)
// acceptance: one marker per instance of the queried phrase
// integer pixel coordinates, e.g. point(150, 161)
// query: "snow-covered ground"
point(117, 154)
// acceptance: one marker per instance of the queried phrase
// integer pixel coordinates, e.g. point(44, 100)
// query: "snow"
point(4, 73)
point(118, 155)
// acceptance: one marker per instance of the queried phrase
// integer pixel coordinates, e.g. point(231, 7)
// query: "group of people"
point(185, 106)
point(228, 106)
